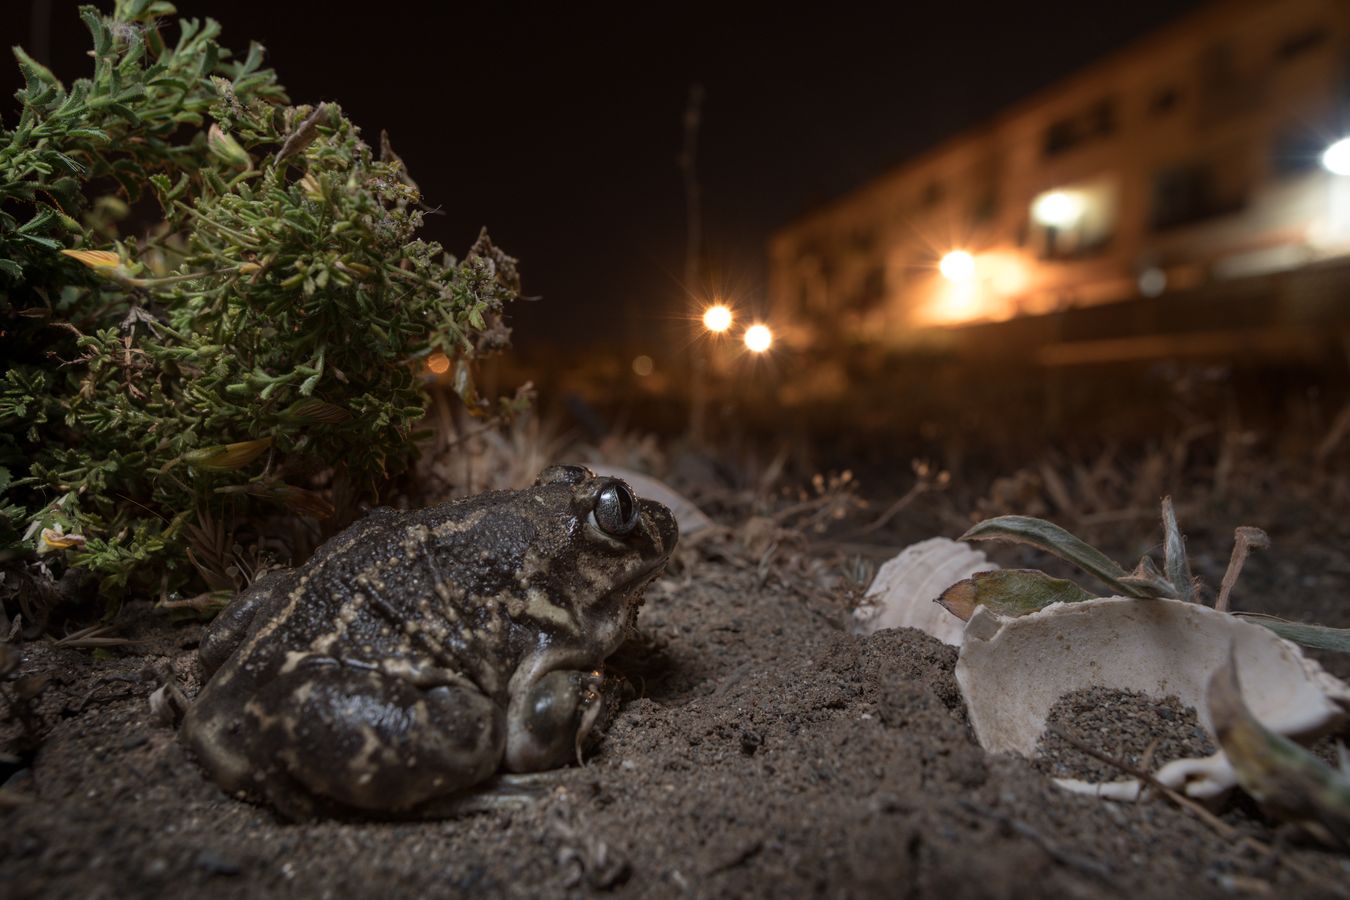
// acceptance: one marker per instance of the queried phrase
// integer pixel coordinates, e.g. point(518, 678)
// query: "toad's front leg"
point(549, 723)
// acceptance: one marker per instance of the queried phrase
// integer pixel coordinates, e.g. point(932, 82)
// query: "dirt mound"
point(768, 754)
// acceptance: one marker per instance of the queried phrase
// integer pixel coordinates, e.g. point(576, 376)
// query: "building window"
point(1300, 43)
point(861, 240)
point(1190, 193)
point(932, 194)
point(1061, 136)
point(1164, 100)
point(874, 287)
point(1227, 89)
point(1097, 121)
point(1073, 221)
point(985, 206)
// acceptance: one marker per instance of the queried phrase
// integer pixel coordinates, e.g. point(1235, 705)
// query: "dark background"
point(559, 128)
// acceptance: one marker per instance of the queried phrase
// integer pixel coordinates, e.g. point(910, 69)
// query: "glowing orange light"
point(958, 265)
point(959, 303)
point(438, 363)
point(758, 338)
point(643, 365)
point(717, 319)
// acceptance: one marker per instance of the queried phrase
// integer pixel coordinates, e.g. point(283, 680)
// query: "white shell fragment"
point(689, 517)
point(1011, 671)
point(904, 591)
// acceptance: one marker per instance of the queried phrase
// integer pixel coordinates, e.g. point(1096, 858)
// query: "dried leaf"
point(303, 136)
point(54, 539)
point(1178, 568)
point(1051, 538)
point(227, 456)
point(209, 551)
point(1009, 592)
point(93, 636)
point(1290, 783)
point(296, 499)
point(311, 410)
point(168, 704)
point(95, 259)
point(1149, 580)
point(205, 605)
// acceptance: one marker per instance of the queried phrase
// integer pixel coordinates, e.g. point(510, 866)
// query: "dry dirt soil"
point(769, 753)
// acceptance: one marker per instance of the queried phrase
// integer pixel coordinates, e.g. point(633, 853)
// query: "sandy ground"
point(768, 753)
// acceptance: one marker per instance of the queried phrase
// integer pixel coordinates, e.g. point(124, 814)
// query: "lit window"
point(1074, 220)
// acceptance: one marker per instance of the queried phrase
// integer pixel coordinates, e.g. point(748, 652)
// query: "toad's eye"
point(616, 510)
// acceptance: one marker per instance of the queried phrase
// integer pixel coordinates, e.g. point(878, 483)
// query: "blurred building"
point(1170, 199)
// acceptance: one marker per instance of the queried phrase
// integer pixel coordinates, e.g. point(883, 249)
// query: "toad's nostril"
point(667, 531)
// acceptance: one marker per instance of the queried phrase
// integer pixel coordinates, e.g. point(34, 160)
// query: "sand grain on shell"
point(1122, 725)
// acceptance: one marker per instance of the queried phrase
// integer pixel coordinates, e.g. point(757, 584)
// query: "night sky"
point(559, 129)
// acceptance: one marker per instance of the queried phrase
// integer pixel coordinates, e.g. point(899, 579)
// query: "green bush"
point(214, 308)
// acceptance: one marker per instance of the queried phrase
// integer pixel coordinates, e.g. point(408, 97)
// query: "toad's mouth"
point(627, 596)
point(642, 577)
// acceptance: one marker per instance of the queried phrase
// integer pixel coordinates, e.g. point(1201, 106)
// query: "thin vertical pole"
point(698, 365)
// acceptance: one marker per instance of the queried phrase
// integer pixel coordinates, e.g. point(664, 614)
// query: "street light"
point(1336, 158)
point(717, 319)
point(758, 338)
point(958, 265)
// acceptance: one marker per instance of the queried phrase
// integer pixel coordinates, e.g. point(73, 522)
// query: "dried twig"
point(1245, 539)
point(93, 636)
point(1219, 826)
point(919, 488)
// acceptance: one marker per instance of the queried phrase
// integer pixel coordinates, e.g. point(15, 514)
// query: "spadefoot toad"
point(417, 653)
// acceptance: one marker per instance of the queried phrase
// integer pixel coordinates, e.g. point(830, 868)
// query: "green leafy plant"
point(215, 309)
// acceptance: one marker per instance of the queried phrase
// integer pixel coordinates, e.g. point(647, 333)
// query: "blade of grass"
point(1317, 636)
point(1051, 538)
